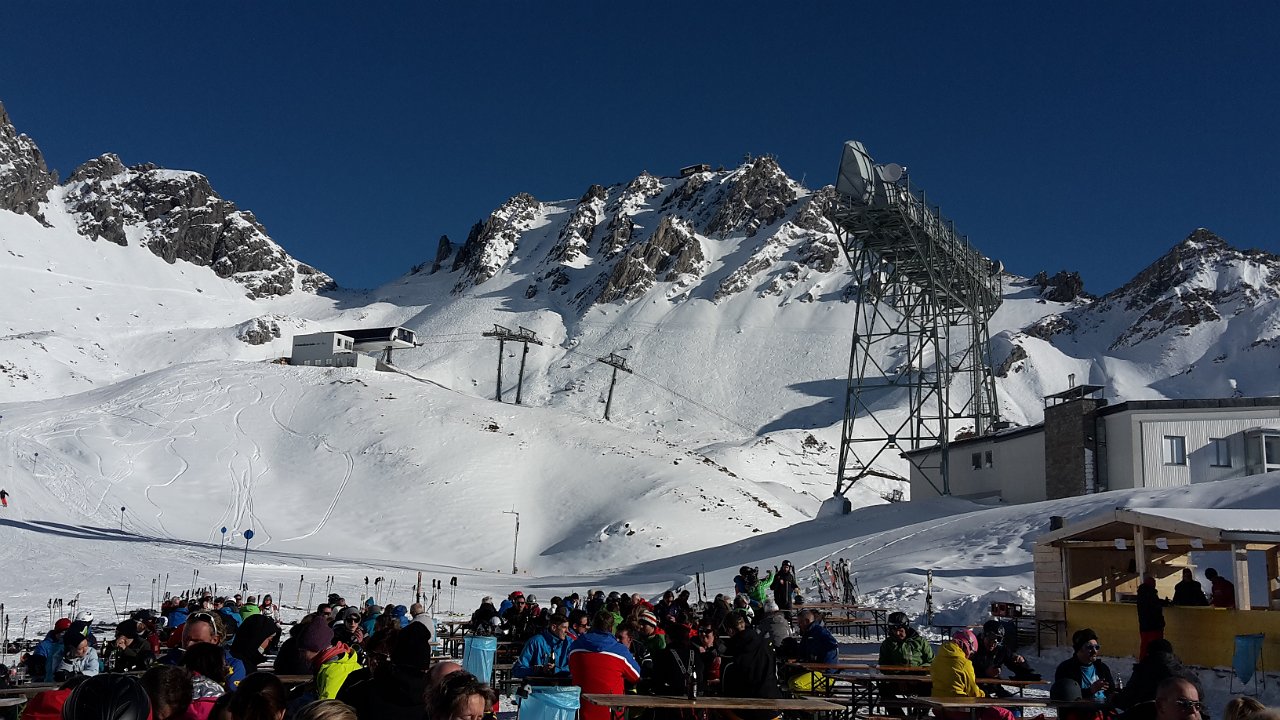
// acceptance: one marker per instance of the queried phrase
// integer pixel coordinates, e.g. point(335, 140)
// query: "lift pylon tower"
point(924, 296)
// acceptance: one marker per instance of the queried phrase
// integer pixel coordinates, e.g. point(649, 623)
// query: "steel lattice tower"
point(924, 296)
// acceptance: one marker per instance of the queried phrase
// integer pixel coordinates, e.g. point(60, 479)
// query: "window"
point(1219, 452)
point(1271, 449)
point(986, 457)
point(976, 459)
point(1175, 450)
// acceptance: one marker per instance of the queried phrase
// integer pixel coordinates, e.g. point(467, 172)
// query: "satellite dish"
point(891, 173)
point(248, 534)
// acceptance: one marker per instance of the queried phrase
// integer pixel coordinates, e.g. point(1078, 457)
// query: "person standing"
point(1222, 592)
point(1150, 615)
point(1188, 591)
point(4, 498)
point(599, 663)
point(784, 587)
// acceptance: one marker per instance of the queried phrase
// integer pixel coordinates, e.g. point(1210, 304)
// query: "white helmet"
point(84, 616)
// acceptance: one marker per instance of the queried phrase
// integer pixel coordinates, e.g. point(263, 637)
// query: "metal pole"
point(122, 519)
point(609, 402)
point(520, 379)
point(248, 535)
point(223, 545)
point(515, 543)
point(501, 343)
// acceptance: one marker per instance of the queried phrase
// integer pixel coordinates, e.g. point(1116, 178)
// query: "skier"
point(4, 498)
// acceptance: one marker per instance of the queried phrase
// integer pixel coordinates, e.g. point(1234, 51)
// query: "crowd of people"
point(204, 657)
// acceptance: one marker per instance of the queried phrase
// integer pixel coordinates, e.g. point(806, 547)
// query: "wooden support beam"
point(1240, 560)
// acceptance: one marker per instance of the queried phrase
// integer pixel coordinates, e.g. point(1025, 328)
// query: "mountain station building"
point(1086, 446)
point(348, 348)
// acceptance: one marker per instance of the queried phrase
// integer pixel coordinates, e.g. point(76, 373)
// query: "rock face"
point(1062, 287)
point(175, 214)
point(25, 182)
point(490, 243)
point(672, 251)
point(178, 216)
point(757, 197)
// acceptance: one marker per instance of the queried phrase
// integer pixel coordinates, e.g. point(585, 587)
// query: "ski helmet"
point(898, 620)
point(84, 616)
point(108, 697)
point(993, 628)
point(966, 640)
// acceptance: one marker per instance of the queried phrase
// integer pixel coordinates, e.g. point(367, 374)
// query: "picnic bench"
point(623, 702)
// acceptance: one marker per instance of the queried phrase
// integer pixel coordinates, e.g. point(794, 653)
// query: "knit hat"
point(1082, 638)
point(316, 636)
point(78, 631)
point(127, 629)
point(62, 624)
point(412, 647)
point(648, 618)
point(966, 640)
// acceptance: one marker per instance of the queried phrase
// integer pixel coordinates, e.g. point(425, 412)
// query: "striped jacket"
point(599, 663)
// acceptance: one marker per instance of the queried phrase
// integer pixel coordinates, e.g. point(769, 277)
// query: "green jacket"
point(914, 650)
point(760, 591)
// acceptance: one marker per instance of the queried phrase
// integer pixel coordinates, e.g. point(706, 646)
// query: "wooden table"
point(810, 705)
point(973, 705)
point(11, 702)
point(29, 689)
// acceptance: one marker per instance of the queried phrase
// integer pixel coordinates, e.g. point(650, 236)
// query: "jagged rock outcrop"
point(1011, 363)
point(758, 196)
point(1046, 327)
point(1194, 283)
point(490, 243)
point(25, 182)
point(672, 251)
point(1063, 287)
point(178, 216)
point(259, 330)
point(574, 239)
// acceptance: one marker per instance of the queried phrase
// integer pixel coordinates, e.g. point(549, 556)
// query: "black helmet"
point(993, 628)
point(108, 696)
point(897, 620)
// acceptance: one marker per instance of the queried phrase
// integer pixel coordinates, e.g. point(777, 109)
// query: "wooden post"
point(1240, 563)
point(1273, 577)
point(1140, 551)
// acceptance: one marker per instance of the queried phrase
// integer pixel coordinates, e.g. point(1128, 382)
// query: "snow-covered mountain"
point(140, 308)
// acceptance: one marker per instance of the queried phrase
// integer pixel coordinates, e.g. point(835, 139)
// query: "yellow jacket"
point(333, 673)
point(952, 673)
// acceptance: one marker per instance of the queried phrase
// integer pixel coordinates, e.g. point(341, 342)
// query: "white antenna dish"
point(891, 173)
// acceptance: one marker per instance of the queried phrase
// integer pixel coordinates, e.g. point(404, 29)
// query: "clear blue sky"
point(1084, 136)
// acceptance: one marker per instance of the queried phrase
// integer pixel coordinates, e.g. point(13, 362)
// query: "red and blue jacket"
point(599, 663)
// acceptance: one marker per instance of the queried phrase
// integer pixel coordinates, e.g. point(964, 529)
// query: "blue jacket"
point(401, 613)
point(230, 618)
point(178, 617)
point(819, 646)
point(538, 651)
point(87, 664)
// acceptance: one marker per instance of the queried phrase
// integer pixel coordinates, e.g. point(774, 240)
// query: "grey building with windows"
point(1086, 445)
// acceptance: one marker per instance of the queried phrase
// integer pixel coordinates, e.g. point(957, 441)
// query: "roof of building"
point(1203, 404)
point(1212, 526)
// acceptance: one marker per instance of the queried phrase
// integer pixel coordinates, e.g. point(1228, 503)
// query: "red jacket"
point(46, 705)
point(599, 663)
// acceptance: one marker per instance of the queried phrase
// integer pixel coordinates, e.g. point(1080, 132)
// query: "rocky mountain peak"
point(178, 216)
point(492, 241)
point(1063, 287)
point(758, 195)
point(106, 165)
point(25, 181)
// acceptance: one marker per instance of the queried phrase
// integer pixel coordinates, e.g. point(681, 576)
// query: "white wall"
point(1016, 472)
point(1198, 426)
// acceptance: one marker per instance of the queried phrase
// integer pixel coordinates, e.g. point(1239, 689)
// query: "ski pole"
point(114, 609)
point(128, 588)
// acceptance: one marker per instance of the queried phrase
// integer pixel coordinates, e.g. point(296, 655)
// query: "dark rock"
point(673, 249)
point(25, 182)
point(490, 244)
point(758, 196)
point(1016, 354)
point(1062, 287)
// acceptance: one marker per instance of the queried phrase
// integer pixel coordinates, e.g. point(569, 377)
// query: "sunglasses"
point(352, 620)
point(1093, 647)
point(1190, 705)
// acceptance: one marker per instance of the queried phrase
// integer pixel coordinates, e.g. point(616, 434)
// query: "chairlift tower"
point(924, 297)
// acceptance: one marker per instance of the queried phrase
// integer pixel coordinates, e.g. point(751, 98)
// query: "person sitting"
point(398, 685)
point(208, 668)
point(952, 675)
point(108, 696)
point(817, 644)
point(1189, 591)
point(902, 647)
point(1083, 676)
point(599, 663)
point(993, 654)
point(73, 656)
point(38, 660)
point(170, 691)
point(546, 654)
point(1137, 699)
point(1178, 698)
point(206, 627)
point(751, 671)
point(773, 624)
point(130, 651)
point(255, 635)
point(460, 696)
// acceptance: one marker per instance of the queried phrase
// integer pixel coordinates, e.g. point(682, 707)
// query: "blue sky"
point(1082, 136)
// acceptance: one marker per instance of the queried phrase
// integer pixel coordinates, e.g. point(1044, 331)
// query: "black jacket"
point(1150, 609)
point(1137, 699)
point(750, 672)
point(1189, 592)
point(1071, 669)
point(393, 693)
